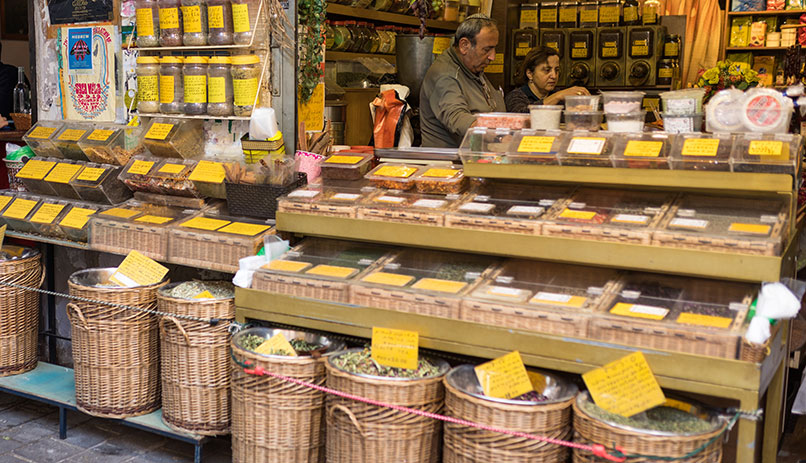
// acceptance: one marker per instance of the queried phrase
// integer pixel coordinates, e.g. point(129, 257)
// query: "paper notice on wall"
point(87, 72)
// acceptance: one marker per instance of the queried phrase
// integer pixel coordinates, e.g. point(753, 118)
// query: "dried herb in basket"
point(251, 342)
point(191, 289)
point(532, 396)
point(360, 362)
point(664, 419)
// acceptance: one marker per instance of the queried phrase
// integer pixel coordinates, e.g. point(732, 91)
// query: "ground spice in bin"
point(19, 309)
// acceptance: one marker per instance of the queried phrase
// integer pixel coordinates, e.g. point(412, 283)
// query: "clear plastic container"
point(75, 223)
point(67, 138)
point(245, 83)
point(219, 86)
point(768, 153)
point(138, 172)
point(17, 214)
point(219, 16)
point(242, 11)
point(582, 103)
point(587, 149)
point(440, 180)
point(45, 218)
point(681, 102)
point(766, 110)
point(702, 151)
point(345, 166)
point(194, 76)
point(148, 84)
point(148, 23)
point(174, 138)
point(160, 177)
point(590, 121)
point(682, 123)
point(485, 145)
point(170, 23)
point(33, 175)
point(6, 197)
point(503, 120)
point(642, 150)
point(40, 138)
point(405, 207)
point(394, 176)
point(545, 117)
point(113, 144)
point(626, 123)
point(61, 175)
point(622, 102)
point(208, 179)
point(326, 200)
point(171, 85)
point(535, 147)
point(99, 183)
point(194, 19)
point(723, 113)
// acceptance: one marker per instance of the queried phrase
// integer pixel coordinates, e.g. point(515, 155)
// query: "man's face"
point(477, 57)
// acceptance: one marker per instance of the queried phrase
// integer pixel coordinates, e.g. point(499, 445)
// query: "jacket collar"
point(456, 59)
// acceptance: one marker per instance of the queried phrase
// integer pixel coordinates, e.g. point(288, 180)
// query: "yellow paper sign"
point(159, 131)
point(47, 213)
point(639, 311)
point(389, 279)
point(504, 377)
point(534, 144)
point(704, 320)
point(765, 148)
point(42, 132)
point(291, 266)
point(332, 271)
point(63, 173)
point(172, 168)
point(625, 387)
point(35, 169)
point(204, 223)
point(442, 286)
point(276, 345)
point(701, 147)
point(4, 200)
point(120, 212)
point(647, 149)
point(756, 229)
point(441, 173)
point(71, 135)
point(204, 295)
point(208, 172)
point(311, 112)
point(91, 174)
point(441, 44)
point(138, 270)
point(100, 135)
point(579, 215)
point(155, 219)
point(395, 171)
point(3, 235)
point(240, 17)
point(77, 218)
point(395, 348)
point(141, 167)
point(538, 381)
point(344, 159)
point(246, 229)
point(19, 209)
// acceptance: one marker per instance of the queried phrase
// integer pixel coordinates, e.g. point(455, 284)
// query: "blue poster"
point(79, 48)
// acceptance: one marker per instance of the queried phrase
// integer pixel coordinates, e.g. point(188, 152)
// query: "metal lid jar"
point(194, 76)
point(172, 97)
point(148, 84)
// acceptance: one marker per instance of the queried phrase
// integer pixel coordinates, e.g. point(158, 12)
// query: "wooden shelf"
point(45, 239)
point(766, 13)
point(346, 55)
point(373, 15)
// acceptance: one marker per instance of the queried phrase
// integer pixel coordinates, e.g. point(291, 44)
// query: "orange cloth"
point(703, 26)
point(388, 111)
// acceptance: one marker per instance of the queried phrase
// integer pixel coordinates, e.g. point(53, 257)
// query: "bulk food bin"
point(702, 151)
point(33, 175)
point(326, 200)
point(66, 140)
point(99, 183)
point(767, 153)
point(174, 138)
point(45, 217)
point(399, 206)
point(645, 150)
point(113, 144)
point(164, 177)
point(535, 147)
point(61, 175)
point(482, 145)
point(76, 222)
point(18, 213)
point(40, 138)
point(588, 149)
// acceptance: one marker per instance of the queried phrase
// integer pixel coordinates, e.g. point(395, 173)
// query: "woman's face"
point(545, 74)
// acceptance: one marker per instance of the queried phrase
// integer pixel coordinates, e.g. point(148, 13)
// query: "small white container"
point(682, 123)
point(545, 117)
point(626, 123)
point(622, 102)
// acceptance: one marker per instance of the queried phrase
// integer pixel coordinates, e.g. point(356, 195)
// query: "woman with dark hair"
point(539, 73)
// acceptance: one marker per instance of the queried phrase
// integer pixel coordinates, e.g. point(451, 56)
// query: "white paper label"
point(345, 197)
point(769, 219)
point(525, 210)
point(552, 297)
point(678, 124)
point(681, 106)
point(390, 199)
point(649, 310)
point(503, 291)
point(546, 202)
point(688, 223)
point(429, 203)
point(631, 218)
point(586, 146)
point(477, 207)
point(304, 194)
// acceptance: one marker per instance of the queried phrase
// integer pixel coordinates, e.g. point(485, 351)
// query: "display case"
point(208, 178)
point(589, 149)
point(483, 145)
point(441, 180)
point(609, 215)
point(422, 282)
point(66, 140)
point(61, 175)
point(40, 138)
point(645, 150)
point(33, 175)
point(326, 200)
point(535, 147)
point(45, 217)
point(75, 224)
point(174, 138)
point(540, 296)
point(320, 269)
point(18, 213)
point(349, 166)
point(702, 151)
point(697, 316)
point(767, 153)
point(165, 177)
point(507, 207)
point(394, 176)
point(735, 225)
point(99, 183)
point(113, 144)
point(216, 242)
point(6, 198)
point(406, 207)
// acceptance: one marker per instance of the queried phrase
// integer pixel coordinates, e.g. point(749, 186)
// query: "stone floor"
point(29, 433)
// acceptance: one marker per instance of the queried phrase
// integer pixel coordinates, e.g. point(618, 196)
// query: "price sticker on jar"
point(395, 348)
point(647, 149)
point(504, 377)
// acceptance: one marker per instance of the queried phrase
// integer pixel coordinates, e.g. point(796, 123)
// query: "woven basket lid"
point(557, 389)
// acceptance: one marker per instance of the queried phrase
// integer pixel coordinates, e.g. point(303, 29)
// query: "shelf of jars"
point(766, 13)
point(346, 55)
point(395, 18)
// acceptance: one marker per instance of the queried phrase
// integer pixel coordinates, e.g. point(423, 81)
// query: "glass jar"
point(630, 13)
point(393, 33)
point(219, 86)
point(241, 22)
point(589, 13)
point(548, 14)
point(194, 22)
point(373, 39)
point(245, 81)
point(329, 39)
point(382, 5)
point(172, 93)
point(148, 84)
point(219, 22)
point(671, 46)
point(451, 11)
point(650, 12)
point(462, 11)
point(473, 7)
point(610, 13)
point(148, 23)
point(569, 14)
point(359, 36)
point(194, 76)
point(170, 23)
point(360, 3)
point(386, 40)
point(665, 72)
point(341, 36)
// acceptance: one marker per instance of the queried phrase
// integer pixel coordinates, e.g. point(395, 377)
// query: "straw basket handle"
point(42, 277)
point(74, 308)
point(332, 411)
point(178, 325)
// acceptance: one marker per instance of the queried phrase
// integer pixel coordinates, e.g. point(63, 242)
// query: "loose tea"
point(191, 289)
point(532, 396)
point(303, 346)
point(664, 419)
point(360, 362)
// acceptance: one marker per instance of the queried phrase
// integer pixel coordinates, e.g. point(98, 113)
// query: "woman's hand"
point(559, 97)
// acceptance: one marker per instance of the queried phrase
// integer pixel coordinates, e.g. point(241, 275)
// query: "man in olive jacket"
point(455, 88)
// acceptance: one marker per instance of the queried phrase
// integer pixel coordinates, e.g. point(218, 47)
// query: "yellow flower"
point(711, 74)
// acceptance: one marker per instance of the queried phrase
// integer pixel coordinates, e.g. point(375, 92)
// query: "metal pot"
point(414, 57)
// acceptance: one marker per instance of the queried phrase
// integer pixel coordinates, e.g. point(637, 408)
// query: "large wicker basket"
point(19, 311)
point(464, 399)
point(115, 350)
point(274, 421)
point(114, 235)
point(588, 430)
point(358, 432)
point(195, 364)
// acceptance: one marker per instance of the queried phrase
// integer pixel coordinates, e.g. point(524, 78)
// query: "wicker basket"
point(214, 251)
point(114, 235)
point(588, 430)
point(756, 353)
point(22, 121)
point(195, 364)
point(358, 432)
point(496, 224)
point(274, 421)
point(115, 350)
point(259, 200)
point(327, 210)
point(464, 400)
point(19, 313)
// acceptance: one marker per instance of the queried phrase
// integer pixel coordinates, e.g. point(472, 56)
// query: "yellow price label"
point(155, 219)
point(276, 345)
point(344, 159)
point(441, 44)
point(701, 147)
point(766, 148)
point(47, 213)
point(204, 223)
point(141, 167)
point(71, 135)
point(441, 286)
point(756, 229)
point(42, 132)
point(528, 17)
point(63, 172)
point(441, 173)
point(120, 212)
point(204, 295)
point(208, 172)
point(332, 271)
point(35, 169)
point(100, 135)
point(172, 168)
point(91, 174)
point(291, 266)
point(625, 386)
point(504, 377)
point(395, 348)
point(77, 218)
point(246, 229)
point(389, 279)
point(687, 318)
point(647, 149)
point(639, 311)
point(159, 131)
point(395, 171)
point(578, 215)
point(534, 144)
point(4, 200)
point(538, 381)
point(19, 209)
point(3, 237)
point(138, 270)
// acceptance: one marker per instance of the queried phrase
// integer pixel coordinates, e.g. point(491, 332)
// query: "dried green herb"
point(664, 419)
point(191, 289)
point(302, 346)
point(252, 342)
point(361, 362)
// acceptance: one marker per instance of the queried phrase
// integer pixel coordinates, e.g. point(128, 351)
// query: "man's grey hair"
point(471, 27)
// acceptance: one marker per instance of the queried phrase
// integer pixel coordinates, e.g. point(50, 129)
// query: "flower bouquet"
point(726, 74)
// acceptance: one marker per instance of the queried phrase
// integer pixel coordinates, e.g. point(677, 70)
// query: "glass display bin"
point(320, 269)
point(404, 207)
point(488, 146)
point(169, 177)
point(66, 140)
point(394, 176)
point(588, 149)
point(61, 175)
point(6, 198)
point(702, 151)
point(45, 217)
point(33, 175)
point(99, 183)
point(18, 213)
point(113, 144)
point(440, 180)
point(767, 153)
point(645, 150)
point(208, 179)
point(174, 138)
point(735, 225)
point(326, 200)
point(41, 139)
point(75, 224)
point(609, 215)
point(535, 147)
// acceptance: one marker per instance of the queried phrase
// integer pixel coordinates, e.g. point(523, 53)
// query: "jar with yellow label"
point(219, 86)
point(170, 23)
point(671, 46)
point(650, 12)
point(171, 85)
point(245, 82)
point(241, 22)
point(665, 72)
point(148, 23)
point(148, 84)
point(194, 19)
point(195, 81)
point(219, 19)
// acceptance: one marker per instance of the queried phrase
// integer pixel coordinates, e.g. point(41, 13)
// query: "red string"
point(597, 449)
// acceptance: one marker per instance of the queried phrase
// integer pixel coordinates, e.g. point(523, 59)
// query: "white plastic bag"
point(273, 246)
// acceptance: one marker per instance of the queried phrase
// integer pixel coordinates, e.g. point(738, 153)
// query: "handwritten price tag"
point(700, 147)
point(35, 170)
point(138, 270)
point(535, 144)
point(276, 345)
point(209, 172)
point(504, 377)
point(765, 148)
point(395, 348)
point(648, 149)
point(441, 44)
point(625, 387)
